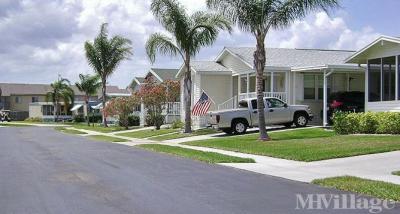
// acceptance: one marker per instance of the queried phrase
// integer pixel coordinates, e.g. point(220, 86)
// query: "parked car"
point(5, 116)
point(347, 101)
point(276, 112)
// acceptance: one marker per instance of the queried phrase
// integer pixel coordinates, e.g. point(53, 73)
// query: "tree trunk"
point(87, 109)
point(55, 111)
point(103, 91)
point(188, 96)
point(259, 63)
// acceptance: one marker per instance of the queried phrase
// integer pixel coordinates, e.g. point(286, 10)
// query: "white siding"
point(218, 87)
point(182, 100)
point(392, 106)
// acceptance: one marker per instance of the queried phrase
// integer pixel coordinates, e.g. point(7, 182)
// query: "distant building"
point(29, 100)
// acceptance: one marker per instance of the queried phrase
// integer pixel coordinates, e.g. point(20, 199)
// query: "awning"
point(76, 107)
point(98, 106)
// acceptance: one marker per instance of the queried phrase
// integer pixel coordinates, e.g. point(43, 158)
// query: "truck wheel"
point(239, 127)
point(301, 120)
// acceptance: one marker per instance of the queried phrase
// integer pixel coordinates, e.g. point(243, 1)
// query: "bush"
point(79, 118)
point(34, 119)
point(177, 124)
point(95, 118)
point(133, 120)
point(389, 123)
point(367, 123)
point(155, 120)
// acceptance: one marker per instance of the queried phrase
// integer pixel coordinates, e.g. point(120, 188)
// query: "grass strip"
point(208, 157)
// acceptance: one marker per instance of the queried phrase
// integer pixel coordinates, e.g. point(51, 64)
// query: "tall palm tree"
point(258, 17)
point(61, 91)
point(89, 85)
point(104, 55)
point(189, 34)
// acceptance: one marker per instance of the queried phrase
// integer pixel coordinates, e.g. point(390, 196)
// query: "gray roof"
point(284, 57)
point(208, 66)
point(165, 74)
point(140, 79)
point(41, 89)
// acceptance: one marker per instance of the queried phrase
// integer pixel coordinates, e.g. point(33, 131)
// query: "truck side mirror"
point(285, 105)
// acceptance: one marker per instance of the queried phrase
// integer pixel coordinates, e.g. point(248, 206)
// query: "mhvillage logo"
point(342, 202)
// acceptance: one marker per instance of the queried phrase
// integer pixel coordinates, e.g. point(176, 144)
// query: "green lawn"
point(378, 189)
point(107, 138)
point(208, 157)
point(99, 128)
point(69, 131)
point(148, 133)
point(396, 173)
point(305, 144)
point(182, 135)
point(13, 124)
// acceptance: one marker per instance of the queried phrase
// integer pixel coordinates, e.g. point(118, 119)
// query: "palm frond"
point(291, 10)
point(160, 43)
point(171, 15)
point(205, 30)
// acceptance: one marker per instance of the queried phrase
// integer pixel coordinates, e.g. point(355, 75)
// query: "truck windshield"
point(243, 104)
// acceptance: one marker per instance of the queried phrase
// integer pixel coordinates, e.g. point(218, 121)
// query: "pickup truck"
point(276, 112)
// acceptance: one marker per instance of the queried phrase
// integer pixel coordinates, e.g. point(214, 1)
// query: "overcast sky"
point(40, 39)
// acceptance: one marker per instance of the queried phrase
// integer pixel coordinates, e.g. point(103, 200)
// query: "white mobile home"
point(297, 76)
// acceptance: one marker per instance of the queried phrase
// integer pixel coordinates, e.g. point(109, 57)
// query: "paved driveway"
point(43, 171)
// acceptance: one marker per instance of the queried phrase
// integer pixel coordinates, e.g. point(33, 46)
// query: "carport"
point(326, 71)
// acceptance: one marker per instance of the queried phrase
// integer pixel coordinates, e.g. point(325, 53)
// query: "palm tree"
point(61, 91)
point(189, 34)
point(89, 85)
point(105, 55)
point(258, 17)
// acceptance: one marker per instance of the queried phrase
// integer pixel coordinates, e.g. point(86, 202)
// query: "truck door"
point(276, 111)
point(253, 112)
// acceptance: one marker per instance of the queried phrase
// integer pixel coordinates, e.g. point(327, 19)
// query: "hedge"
point(367, 123)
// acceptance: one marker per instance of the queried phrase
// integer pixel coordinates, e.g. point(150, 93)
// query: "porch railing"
point(280, 95)
point(172, 108)
point(229, 104)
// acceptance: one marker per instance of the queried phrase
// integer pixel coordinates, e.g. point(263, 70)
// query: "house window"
point(389, 78)
point(243, 84)
point(398, 77)
point(314, 87)
point(374, 80)
point(35, 99)
point(17, 99)
point(47, 110)
point(309, 87)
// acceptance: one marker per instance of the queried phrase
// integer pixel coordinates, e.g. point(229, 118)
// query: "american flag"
point(202, 105)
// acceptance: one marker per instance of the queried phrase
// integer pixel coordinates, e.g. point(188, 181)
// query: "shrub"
point(79, 118)
point(389, 123)
point(95, 118)
point(367, 123)
point(34, 119)
point(133, 120)
point(154, 119)
point(177, 124)
point(346, 123)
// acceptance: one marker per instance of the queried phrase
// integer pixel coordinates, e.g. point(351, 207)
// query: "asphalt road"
point(43, 171)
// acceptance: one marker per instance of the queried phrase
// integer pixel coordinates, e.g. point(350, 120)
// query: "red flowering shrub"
point(122, 107)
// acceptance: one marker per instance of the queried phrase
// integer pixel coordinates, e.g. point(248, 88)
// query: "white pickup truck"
point(276, 112)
